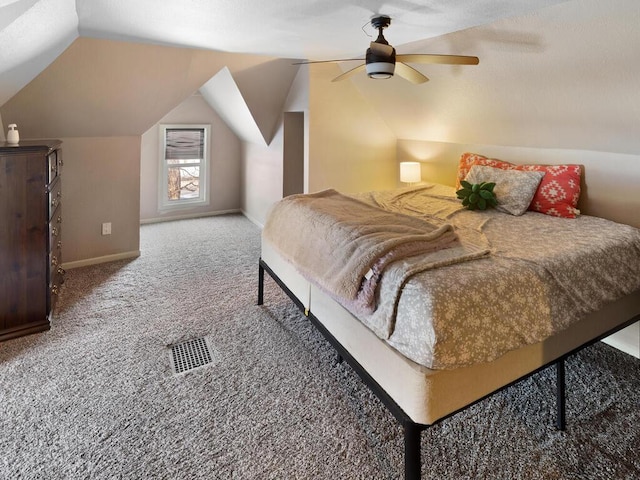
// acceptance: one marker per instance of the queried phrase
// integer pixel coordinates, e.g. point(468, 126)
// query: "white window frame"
point(164, 203)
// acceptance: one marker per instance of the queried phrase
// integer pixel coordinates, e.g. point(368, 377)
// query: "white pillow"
point(514, 189)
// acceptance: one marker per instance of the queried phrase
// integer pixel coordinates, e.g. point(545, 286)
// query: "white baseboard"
point(252, 220)
point(187, 216)
point(98, 260)
point(627, 340)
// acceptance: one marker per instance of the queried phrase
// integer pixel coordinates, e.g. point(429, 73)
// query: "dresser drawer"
point(55, 196)
point(57, 279)
point(55, 224)
point(55, 259)
point(56, 274)
point(54, 165)
point(55, 270)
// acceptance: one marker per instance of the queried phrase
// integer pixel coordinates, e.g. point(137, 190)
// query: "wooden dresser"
point(30, 235)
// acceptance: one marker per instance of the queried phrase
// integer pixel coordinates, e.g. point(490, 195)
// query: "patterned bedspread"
point(543, 274)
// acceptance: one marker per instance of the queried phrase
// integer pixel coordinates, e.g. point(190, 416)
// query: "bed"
point(442, 328)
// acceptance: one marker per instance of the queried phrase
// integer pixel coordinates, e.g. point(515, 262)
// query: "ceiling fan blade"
point(410, 73)
point(381, 49)
point(349, 73)
point(438, 59)
point(307, 62)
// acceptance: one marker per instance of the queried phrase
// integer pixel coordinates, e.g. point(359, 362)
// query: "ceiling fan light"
point(380, 70)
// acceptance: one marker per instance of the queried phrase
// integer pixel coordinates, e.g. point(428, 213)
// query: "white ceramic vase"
point(13, 136)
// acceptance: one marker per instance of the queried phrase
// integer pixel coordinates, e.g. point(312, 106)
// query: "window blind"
point(184, 144)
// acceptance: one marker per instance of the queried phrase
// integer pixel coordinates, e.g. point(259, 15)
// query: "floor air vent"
point(190, 354)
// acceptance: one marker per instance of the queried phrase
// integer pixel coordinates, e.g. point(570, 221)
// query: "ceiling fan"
point(381, 60)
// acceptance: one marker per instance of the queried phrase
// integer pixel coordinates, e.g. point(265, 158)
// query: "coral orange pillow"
point(557, 194)
point(468, 160)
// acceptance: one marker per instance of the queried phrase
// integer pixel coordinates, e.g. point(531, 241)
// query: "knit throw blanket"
point(343, 244)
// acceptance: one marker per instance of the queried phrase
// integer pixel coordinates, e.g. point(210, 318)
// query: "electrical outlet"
point(106, 228)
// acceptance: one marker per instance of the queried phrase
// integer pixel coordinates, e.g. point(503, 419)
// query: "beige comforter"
point(344, 245)
point(544, 273)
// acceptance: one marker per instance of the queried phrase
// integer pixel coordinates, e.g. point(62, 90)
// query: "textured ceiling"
point(34, 32)
point(318, 29)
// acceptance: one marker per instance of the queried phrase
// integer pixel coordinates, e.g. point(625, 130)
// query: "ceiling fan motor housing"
point(381, 59)
point(380, 66)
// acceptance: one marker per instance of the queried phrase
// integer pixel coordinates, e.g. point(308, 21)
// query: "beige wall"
point(262, 177)
point(294, 153)
point(100, 183)
point(224, 155)
point(351, 148)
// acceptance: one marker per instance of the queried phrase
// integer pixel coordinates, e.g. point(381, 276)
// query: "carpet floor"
point(96, 397)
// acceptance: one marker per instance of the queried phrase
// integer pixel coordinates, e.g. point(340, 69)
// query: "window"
point(184, 157)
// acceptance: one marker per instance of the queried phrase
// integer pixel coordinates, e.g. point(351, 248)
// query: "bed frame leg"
point(260, 283)
point(412, 464)
point(560, 395)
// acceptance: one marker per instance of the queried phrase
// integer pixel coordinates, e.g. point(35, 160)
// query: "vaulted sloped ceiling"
point(262, 89)
point(118, 66)
point(223, 95)
point(250, 102)
point(111, 88)
point(32, 34)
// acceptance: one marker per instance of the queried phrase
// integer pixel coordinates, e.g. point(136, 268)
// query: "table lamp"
point(410, 172)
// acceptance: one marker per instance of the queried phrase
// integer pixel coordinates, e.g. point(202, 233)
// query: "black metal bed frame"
point(413, 430)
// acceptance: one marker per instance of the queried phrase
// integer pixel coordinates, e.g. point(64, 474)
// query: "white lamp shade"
point(410, 172)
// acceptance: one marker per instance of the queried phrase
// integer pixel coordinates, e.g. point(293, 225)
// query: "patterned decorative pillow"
point(559, 190)
point(514, 188)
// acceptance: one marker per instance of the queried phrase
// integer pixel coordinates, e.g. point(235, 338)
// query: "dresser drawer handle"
point(61, 271)
point(54, 261)
point(55, 231)
point(54, 290)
